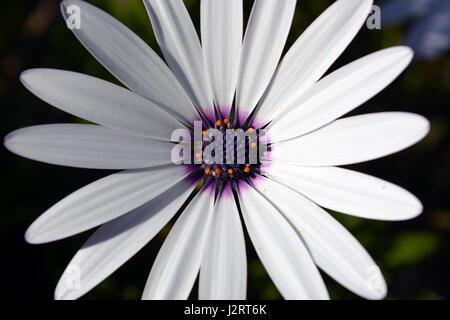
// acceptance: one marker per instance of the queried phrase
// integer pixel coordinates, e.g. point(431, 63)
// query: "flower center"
point(228, 153)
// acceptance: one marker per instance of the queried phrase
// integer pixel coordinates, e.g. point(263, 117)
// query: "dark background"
point(413, 255)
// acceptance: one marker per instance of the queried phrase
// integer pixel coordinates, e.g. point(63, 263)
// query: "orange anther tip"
point(217, 170)
point(230, 171)
point(198, 155)
point(225, 121)
point(218, 123)
point(208, 171)
point(250, 130)
point(203, 132)
point(253, 144)
point(247, 169)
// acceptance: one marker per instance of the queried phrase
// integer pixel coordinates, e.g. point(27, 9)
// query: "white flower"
point(289, 231)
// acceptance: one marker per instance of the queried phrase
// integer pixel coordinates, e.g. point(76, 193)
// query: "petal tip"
point(376, 285)
point(35, 236)
point(66, 289)
point(408, 52)
point(24, 75)
point(59, 293)
point(422, 124)
point(29, 76)
point(30, 236)
point(425, 124)
point(405, 53)
point(13, 140)
point(8, 141)
point(417, 208)
point(378, 295)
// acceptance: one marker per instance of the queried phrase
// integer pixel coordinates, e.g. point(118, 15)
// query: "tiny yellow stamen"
point(225, 121)
point(247, 169)
point(198, 155)
point(217, 170)
point(203, 132)
point(253, 145)
point(207, 170)
point(218, 123)
point(250, 130)
point(230, 171)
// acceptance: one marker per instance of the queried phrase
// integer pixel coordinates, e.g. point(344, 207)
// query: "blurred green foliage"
point(413, 255)
point(410, 248)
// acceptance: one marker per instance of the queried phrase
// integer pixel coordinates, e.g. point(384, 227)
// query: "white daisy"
point(281, 206)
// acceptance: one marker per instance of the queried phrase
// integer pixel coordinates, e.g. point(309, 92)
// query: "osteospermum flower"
point(279, 196)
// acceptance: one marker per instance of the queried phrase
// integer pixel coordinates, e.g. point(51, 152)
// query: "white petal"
point(102, 201)
point(87, 146)
point(222, 29)
point(280, 248)
point(101, 102)
point(130, 59)
point(223, 274)
point(348, 191)
point(117, 241)
point(265, 38)
point(333, 248)
point(313, 53)
point(181, 47)
point(341, 92)
point(354, 139)
point(176, 267)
